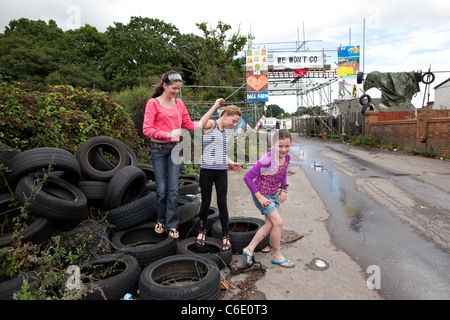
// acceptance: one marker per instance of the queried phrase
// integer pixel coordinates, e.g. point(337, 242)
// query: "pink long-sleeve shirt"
point(159, 120)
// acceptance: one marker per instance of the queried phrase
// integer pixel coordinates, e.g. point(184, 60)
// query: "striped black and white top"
point(214, 149)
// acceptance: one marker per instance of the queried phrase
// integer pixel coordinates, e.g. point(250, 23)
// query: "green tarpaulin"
point(397, 88)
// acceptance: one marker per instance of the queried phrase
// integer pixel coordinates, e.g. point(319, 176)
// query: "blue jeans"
point(274, 204)
point(166, 165)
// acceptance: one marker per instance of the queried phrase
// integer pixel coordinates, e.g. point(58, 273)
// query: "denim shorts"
point(274, 204)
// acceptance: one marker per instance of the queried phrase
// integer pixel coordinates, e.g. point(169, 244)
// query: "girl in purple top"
point(267, 180)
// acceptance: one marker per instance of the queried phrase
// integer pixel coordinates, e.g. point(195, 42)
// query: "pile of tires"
point(104, 176)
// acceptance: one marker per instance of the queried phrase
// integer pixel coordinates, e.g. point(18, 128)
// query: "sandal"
point(248, 258)
point(173, 233)
point(159, 227)
point(285, 264)
point(200, 242)
point(226, 244)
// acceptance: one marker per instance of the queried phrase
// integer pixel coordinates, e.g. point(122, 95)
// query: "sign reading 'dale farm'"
point(257, 75)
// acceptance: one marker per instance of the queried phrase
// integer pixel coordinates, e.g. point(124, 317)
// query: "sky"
point(400, 35)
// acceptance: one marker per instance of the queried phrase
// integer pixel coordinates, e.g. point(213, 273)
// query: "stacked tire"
point(104, 176)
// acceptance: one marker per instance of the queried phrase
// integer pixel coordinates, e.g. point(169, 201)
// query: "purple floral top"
point(266, 176)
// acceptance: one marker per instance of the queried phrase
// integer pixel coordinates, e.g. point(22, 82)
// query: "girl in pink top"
point(267, 182)
point(164, 116)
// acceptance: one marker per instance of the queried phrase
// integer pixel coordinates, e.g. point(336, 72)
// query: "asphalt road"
point(378, 220)
point(387, 209)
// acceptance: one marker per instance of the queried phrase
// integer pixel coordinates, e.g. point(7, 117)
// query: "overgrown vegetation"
point(63, 117)
point(124, 56)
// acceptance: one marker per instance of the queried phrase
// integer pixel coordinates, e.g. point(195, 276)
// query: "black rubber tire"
point(115, 287)
point(143, 243)
point(241, 231)
point(94, 191)
point(133, 213)
point(360, 77)
point(58, 199)
point(126, 186)
point(6, 153)
point(103, 164)
point(191, 227)
point(190, 176)
point(211, 250)
point(154, 279)
point(188, 187)
point(86, 153)
point(188, 208)
point(36, 160)
point(8, 286)
point(363, 97)
point(38, 230)
point(365, 107)
point(428, 77)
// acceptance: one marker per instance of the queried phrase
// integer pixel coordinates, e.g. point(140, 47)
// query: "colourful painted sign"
point(257, 75)
point(348, 60)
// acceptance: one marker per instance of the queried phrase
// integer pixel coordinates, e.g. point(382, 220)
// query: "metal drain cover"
point(318, 264)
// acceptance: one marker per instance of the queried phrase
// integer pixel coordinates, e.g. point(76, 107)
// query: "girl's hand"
point(263, 201)
point(174, 133)
point(235, 166)
point(219, 102)
point(283, 196)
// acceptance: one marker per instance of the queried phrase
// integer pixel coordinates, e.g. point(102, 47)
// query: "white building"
point(442, 95)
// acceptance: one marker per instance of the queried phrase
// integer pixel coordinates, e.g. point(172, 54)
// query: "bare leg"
point(262, 233)
point(275, 237)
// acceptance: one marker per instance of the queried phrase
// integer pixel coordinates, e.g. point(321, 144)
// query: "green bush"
point(63, 117)
point(366, 141)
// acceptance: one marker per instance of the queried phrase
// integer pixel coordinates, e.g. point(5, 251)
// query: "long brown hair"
point(159, 89)
point(281, 134)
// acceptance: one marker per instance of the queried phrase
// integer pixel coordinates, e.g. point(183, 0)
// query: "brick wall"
point(431, 129)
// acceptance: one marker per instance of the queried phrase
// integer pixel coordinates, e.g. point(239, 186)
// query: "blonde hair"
point(230, 110)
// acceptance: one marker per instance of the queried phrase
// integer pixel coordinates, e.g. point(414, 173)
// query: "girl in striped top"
point(213, 170)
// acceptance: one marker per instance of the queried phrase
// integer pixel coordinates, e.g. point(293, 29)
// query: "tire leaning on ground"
point(180, 277)
point(115, 287)
point(143, 243)
point(211, 250)
point(58, 199)
point(241, 231)
point(85, 156)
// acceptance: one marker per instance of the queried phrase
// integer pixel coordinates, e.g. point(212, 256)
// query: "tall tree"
point(34, 51)
point(138, 49)
point(211, 59)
